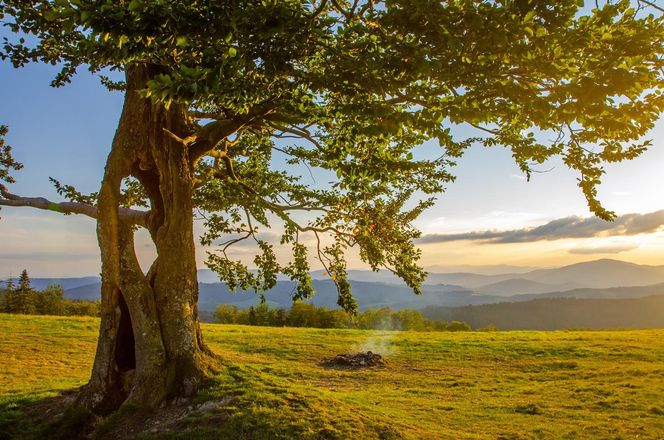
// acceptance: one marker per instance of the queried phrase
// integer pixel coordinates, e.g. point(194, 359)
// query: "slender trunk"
point(150, 346)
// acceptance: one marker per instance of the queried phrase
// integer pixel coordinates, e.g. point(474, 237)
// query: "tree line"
point(302, 314)
point(21, 298)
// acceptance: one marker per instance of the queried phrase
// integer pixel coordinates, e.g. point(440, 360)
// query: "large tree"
point(219, 93)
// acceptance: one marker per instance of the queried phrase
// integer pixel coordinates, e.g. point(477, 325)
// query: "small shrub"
point(531, 409)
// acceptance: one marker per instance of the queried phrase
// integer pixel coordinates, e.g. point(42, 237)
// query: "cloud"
point(568, 227)
point(47, 256)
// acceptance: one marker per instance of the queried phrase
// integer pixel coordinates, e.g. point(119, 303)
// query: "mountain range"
point(603, 273)
point(594, 279)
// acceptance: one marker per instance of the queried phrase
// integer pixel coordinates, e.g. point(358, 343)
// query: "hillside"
point(558, 314)
point(516, 286)
point(499, 385)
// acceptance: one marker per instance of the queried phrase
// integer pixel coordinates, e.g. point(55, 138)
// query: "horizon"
point(480, 269)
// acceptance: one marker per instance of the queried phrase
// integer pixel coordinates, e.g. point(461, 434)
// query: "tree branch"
point(653, 5)
point(208, 136)
point(129, 216)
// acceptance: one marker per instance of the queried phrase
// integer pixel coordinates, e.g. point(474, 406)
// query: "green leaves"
point(181, 41)
point(135, 5)
point(352, 96)
point(7, 162)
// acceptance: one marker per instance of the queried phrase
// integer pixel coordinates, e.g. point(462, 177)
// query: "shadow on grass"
point(38, 417)
point(238, 404)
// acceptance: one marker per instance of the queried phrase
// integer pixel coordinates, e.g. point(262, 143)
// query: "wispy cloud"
point(567, 227)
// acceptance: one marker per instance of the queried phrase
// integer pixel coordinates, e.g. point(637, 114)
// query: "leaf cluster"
point(7, 162)
point(350, 89)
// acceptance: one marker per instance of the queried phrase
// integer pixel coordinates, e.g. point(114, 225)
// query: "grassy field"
point(475, 385)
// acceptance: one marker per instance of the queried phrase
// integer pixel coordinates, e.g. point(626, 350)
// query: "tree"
point(458, 326)
point(9, 298)
point(24, 295)
point(225, 314)
point(280, 317)
point(217, 93)
point(302, 314)
point(252, 316)
point(50, 301)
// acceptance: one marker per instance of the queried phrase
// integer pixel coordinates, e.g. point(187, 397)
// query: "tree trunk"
point(150, 347)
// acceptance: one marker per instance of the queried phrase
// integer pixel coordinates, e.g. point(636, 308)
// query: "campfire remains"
point(357, 360)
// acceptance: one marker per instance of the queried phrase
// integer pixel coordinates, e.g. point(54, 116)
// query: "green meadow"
point(463, 385)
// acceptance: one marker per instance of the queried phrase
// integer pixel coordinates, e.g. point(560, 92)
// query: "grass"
point(470, 385)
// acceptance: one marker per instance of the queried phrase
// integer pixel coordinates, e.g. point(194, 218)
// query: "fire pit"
point(357, 360)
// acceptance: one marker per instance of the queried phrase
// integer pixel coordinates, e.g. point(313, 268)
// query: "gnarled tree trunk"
point(150, 347)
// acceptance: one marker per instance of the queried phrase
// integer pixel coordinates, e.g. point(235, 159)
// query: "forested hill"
point(558, 313)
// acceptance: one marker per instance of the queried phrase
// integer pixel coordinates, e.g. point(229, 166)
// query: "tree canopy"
point(353, 87)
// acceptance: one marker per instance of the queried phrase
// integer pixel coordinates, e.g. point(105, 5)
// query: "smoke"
point(379, 342)
point(381, 338)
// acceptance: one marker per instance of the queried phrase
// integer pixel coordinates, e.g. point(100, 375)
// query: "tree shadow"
point(238, 403)
point(35, 417)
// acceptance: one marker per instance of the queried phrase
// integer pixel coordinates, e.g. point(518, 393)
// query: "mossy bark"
point(150, 347)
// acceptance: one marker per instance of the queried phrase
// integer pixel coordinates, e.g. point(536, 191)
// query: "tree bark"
point(150, 346)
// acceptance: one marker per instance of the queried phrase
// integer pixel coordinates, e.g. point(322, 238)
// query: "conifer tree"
point(9, 303)
point(24, 295)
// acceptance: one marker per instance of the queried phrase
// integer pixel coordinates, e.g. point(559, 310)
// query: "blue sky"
point(66, 133)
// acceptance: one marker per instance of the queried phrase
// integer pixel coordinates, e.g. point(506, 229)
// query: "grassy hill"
point(474, 385)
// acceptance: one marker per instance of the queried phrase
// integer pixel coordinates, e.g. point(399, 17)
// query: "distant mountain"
point(594, 279)
point(66, 283)
point(88, 292)
point(374, 295)
point(609, 293)
point(604, 273)
point(367, 276)
point(600, 274)
point(558, 314)
point(367, 294)
point(517, 286)
point(494, 269)
point(502, 280)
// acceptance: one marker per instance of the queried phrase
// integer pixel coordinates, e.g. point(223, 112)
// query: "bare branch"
point(129, 216)
point(319, 9)
point(299, 132)
point(652, 4)
point(341, 10)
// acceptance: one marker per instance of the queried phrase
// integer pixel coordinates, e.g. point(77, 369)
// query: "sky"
point(490, 215)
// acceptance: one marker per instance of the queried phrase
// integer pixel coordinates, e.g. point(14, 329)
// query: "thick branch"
point(208, 136)
point(129, 216)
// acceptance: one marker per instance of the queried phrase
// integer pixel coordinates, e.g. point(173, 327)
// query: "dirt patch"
point(355, 360)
